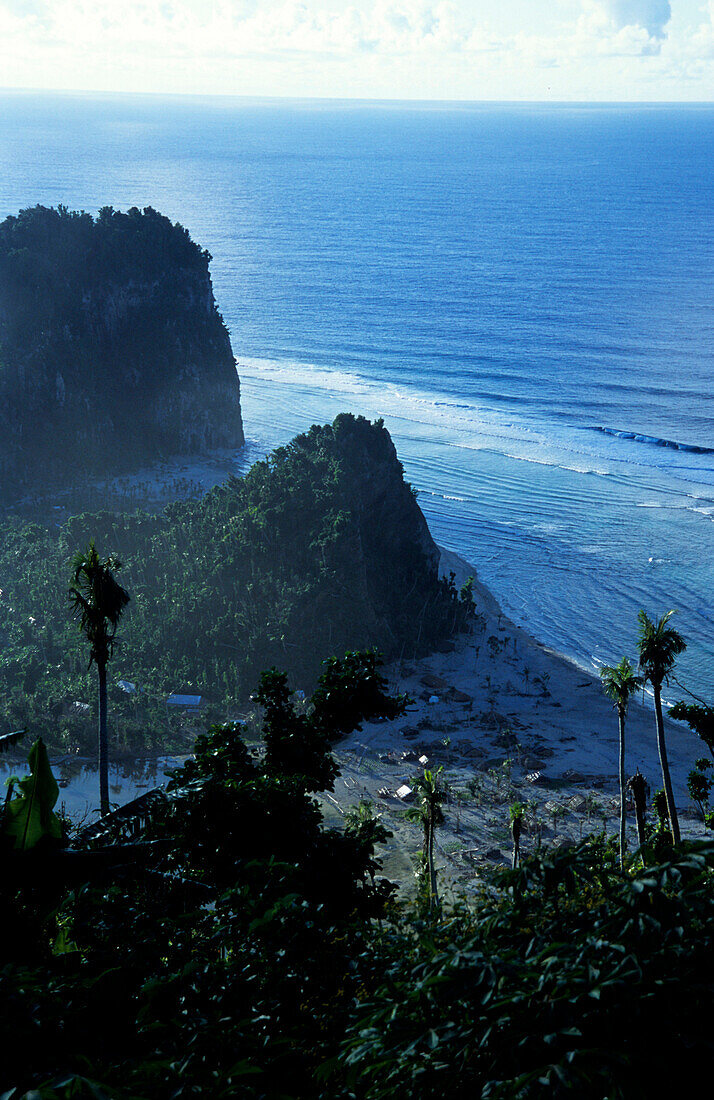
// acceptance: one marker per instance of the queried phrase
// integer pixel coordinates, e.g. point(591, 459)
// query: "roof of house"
point(405, 792)
point(184, 700)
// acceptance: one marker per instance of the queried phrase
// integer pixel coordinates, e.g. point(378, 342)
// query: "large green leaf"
point(29, 816)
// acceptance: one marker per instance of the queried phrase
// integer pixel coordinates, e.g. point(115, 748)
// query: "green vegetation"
point(620, 683)
point(135, 979)
point(516, 813)
point(319, 549)
point(219, 940)
point(699, 786)
point(429, 815)
point(112, 350)
point(215, 937)
point(29, 817)
point(660, 645)
point(98, 601)
point(699, 717)
point(567, 979)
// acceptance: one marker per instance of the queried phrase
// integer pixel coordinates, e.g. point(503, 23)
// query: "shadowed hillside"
point(112, 350)
point(321, 548)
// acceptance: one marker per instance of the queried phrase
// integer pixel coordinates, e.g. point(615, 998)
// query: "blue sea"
point(523, 293)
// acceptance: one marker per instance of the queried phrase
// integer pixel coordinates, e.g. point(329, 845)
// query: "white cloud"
point(700, 46)
point(652, 15)
point(621, 28)
point(496, 49)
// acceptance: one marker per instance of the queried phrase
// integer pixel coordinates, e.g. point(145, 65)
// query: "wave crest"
point(654, 440)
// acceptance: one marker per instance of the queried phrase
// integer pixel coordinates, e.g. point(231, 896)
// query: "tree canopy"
point(321, 548)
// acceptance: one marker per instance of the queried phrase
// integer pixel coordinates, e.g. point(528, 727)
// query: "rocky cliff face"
point(393, 543)
point(112, 351)
point(383, 562)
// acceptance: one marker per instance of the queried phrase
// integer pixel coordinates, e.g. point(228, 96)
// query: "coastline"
point(577, 694)
point(558, 516)
point(496, 709)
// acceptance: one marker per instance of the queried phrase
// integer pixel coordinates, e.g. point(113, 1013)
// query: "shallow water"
point(79, 782)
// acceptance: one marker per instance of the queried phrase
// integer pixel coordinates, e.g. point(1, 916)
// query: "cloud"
point(249, 28)
point(333, 47)
point(652, 15)
point(22, 8)
point(391, 27)
point(621, 28)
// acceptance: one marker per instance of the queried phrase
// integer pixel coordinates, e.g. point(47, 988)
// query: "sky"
point(593, 50)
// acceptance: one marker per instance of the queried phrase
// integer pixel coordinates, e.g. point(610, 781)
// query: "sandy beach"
point(509, 720)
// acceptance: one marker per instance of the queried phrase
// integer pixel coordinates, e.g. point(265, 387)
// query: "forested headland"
point(112, 351)
point(320, 549)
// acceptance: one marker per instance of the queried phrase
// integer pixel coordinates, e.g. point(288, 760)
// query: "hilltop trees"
point(660, 645)
point(620, 683)
point(98, 601)
point(319, 549)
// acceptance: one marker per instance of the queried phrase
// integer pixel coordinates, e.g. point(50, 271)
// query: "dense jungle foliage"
point(219, 940)
point(112, 349)
point(319, 549)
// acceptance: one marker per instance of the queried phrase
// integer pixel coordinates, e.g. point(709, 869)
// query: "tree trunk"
point(638, 787)
point(103, 741)
point(516, 826)
point(666, 778)
point(434, 897)
point(623, 811)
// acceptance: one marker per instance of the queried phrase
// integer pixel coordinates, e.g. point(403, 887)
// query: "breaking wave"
point(654, 440)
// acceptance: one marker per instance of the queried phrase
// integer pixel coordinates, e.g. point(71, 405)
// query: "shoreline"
point(508, 719)
point(516, 678)
point(683, 745)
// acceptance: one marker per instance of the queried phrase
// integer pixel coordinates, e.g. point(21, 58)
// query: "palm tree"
point(640, 791)
point(98, 601)
point(429, 814)
point(620, 683)
point(517, 813)
point(659, 646)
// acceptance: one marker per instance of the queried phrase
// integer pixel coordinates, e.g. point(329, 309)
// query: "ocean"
point(523, 292)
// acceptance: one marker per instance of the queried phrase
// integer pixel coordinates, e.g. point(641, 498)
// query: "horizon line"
point(257, 98)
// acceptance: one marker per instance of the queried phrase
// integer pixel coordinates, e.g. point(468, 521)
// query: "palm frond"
point(659, 646)
point(97, 598)
point(619, 682)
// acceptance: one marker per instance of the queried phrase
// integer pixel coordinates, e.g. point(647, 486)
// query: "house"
point(128, 687)
point(405, 793)
point(190, 703)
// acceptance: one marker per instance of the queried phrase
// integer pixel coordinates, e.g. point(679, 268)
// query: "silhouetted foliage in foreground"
point(247, 950)
point(224, 951)
point(569, 979)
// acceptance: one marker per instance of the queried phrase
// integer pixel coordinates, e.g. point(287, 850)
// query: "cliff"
point(395, 561)
point(112, 351)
